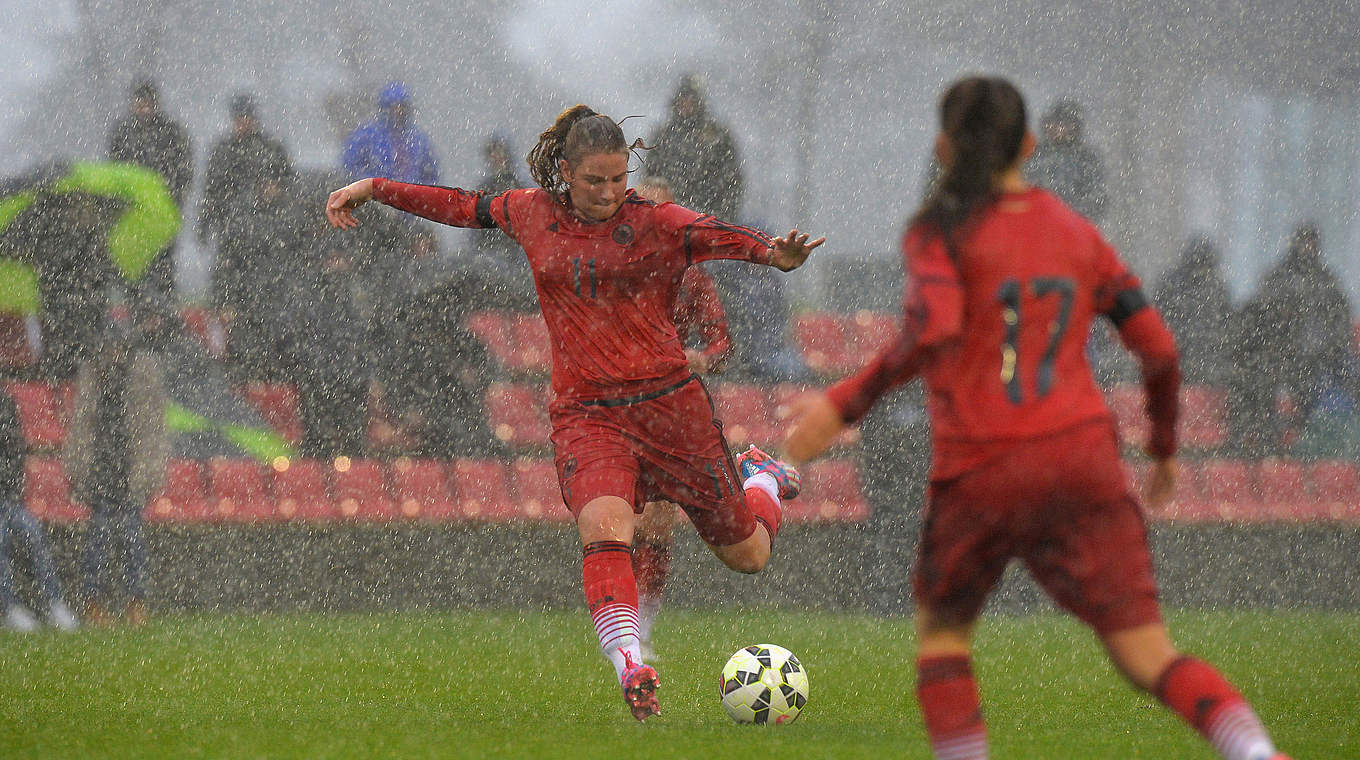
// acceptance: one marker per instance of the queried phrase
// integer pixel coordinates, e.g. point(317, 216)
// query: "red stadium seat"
point(531, 351)
point(784, 396)
point(184, 498)
point(360, 487)
point(47, 492)
point(1229, 485)
point(421, 487)
point(539, 495)
point(1126, 404)
point(518, 414)
point(489, 326)
point(1203, 418)
point(747, 414)
point(300, 490)
point(239, 490)
point(278, 404)
point(1190, 502)
point(482, 490)
point(43, 412)
point(831, 493)
point(869, 331)
point(825, 346)
point(1284, 491)
point(1336, 486)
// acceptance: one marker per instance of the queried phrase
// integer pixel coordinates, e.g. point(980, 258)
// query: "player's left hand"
point(815, 425)
point(790, 252)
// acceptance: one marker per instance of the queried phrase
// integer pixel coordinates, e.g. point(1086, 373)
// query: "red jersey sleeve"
point(704, 237)
point(699, 310)
point(454, 206)
point(1143, 333)
point(933, 308)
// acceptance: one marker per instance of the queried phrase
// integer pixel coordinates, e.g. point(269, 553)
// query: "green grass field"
point(489, 684)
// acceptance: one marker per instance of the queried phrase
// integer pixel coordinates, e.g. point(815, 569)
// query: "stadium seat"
point(518, 414)
point(1229, 486)
point(482, 490)
point(746, 412)
point(360, 487)
point(15, 353)
point(278, 404)
point(1189, 502)
point(239, 490)
point(782, 398)
point(531, 351)
point(539, 495)
point(489, 326)
point(1336, 485)
point(1126, 404)
point(47, 492)
point(831, 493)
point(300, 490)
point(421, 487)
point(183, 499)
point(869, 331)
point(823, 342)
point(1284, 490)
point(43, 412)
point(1203, 418)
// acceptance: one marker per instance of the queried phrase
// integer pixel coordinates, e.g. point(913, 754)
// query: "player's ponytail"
point(577, 132)
point(984, 119)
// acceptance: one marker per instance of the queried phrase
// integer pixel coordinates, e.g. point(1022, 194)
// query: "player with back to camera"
point(698, 311)
point(630, 421)
point(1004, 280)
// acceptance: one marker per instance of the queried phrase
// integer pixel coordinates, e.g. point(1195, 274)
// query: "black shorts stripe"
point(630, 400)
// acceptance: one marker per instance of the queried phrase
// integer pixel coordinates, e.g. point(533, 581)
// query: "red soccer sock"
point(766, 509)
point(951, 707)
point(611, 596)
point(651, 568)
point(1199, 694)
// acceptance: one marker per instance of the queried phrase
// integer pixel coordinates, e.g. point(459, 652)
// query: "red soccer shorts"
point(669, 447)
point(1062, 505)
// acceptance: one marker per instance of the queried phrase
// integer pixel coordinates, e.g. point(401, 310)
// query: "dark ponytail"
point(984, 119)
point(577, 132)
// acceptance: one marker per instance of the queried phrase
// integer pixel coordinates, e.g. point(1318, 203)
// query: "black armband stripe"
point(1126, 304)
point(483, 214)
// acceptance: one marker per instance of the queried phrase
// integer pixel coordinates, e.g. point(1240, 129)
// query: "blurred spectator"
point(697, 154)
point(325, 334)
point(391, 145)
point(116, 451)
point(262, 246)
point(149, 137)
point(18, 520)
point(509, 283)
point(1065, 164)
point(434, 372)
point(239, 162)
point(759, 317)
point(1294, 337)
point(894, 460)
point(1194, 301)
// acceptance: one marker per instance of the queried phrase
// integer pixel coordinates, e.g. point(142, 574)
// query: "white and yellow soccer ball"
point(764, 683)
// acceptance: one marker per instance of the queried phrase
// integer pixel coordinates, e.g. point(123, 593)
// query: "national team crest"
point(623, 234)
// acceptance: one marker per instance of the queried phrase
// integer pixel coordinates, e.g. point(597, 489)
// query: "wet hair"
point(578, 132)
point(984, 119)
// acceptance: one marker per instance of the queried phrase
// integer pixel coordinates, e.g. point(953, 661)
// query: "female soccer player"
point(630, 421)
point(697, 311)
point(1004, 281)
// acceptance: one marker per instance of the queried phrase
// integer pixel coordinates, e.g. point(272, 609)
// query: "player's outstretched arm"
point(814, 424)
point(341, 203)
point(789, 252)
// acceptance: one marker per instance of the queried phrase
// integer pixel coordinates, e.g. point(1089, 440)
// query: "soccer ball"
point(764, 683)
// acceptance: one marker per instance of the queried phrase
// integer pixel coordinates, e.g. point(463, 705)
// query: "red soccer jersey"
point(606, 289)
point(698, 309)
point(1000, 334)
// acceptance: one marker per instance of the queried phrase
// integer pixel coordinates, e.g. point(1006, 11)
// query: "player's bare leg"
point(651, 565)
point(946, 688)
point(1192, 688)
point(767, 481)
point(606, 526)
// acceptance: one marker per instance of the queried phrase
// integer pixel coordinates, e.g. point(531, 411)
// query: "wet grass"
point(488, 684)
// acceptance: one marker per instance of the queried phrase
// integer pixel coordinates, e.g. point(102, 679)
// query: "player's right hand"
point(1161, 483)
point(815, 423)
point(341, 203)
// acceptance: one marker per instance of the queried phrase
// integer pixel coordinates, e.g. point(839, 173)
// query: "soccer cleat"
point(753, 461)
point(639, 688)
point(19, 619)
